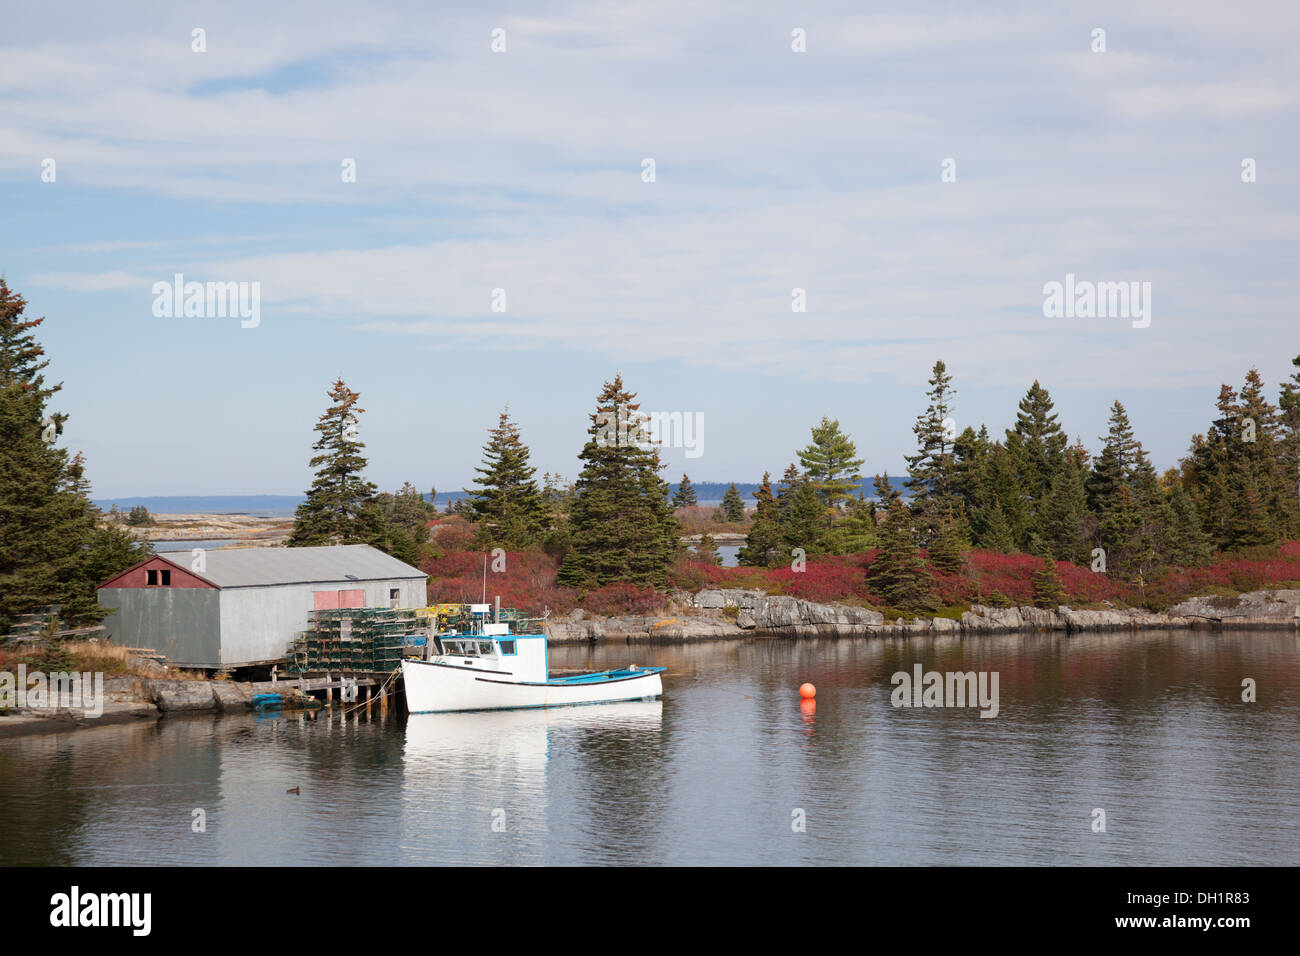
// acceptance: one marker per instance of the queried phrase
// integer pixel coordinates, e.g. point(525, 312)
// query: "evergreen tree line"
point(1033, 491)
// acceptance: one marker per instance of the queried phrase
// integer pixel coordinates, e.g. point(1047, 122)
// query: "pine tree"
point(506, 501)
point(340, 507)
point(765, 542)
point(684, 497)
point(932, 468)
point(52, 548)
point(898, 573)
point(831, 463)
point(733, 506)
point(1048, 591)
point(621, 526)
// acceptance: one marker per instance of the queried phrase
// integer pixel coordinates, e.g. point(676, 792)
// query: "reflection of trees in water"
point(619, 782)
point(50, 808)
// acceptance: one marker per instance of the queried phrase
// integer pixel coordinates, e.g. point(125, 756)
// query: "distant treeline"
point(712, 492)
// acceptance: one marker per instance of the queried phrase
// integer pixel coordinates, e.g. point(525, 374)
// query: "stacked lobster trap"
point(374, 640)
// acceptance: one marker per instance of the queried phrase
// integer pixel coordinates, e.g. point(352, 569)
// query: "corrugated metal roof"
point(254, 567)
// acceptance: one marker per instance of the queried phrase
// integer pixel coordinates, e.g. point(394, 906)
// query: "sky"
point(920, 170)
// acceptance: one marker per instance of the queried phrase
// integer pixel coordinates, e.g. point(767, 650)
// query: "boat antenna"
point(484, 601)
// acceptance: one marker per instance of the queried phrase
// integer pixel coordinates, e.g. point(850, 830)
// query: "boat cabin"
point(493, 649)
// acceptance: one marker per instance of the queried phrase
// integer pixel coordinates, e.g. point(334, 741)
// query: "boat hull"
point(435, 688)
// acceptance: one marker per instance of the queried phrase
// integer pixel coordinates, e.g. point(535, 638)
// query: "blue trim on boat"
point(579, 703)
point(577, 680)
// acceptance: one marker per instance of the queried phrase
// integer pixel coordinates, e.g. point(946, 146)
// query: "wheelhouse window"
point(507, 647)
point(485, 648)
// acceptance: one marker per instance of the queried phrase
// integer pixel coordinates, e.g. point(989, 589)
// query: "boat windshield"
point(467, 648)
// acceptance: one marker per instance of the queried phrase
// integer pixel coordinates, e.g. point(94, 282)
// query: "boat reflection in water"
point(480, 784)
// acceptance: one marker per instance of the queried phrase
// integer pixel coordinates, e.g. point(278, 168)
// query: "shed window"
point(151, 578)
point(166, 578)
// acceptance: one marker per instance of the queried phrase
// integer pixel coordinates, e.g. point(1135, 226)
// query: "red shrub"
point(823, 580)
point(527, 581)
point(623, 599)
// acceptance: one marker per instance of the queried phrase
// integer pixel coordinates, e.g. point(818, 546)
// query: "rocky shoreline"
point(708, 615)
point(726, 614)
point(127, 699)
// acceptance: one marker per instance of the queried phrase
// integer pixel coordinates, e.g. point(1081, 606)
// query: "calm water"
point(1149, 728)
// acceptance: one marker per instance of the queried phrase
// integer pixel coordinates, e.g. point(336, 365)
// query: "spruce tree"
point(52, 548)
point(1263, 464)
point(1048, 591)
point(340, 507)
point(621, 526)
point(1289, 445)
point(898, 574)
point(1065, 522)
point(1240, 480)
point(996, 533)
point(684, 496)
point(932, 468)
point(947, 546)
point(405, 518)
point(1005, 519)
point(886, 493)
point(831, 463)
point(506, 501)
point(969, 451)
point(803, 523)
point(1037, 448)
point(855, 532)
point(1188, 545)
point(764, 544)
point(733, 506)
point(1113, 468)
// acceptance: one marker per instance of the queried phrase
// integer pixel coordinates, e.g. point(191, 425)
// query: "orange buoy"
point(807, 691)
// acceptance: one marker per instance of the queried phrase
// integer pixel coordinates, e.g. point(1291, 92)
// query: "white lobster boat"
point(492, 669)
